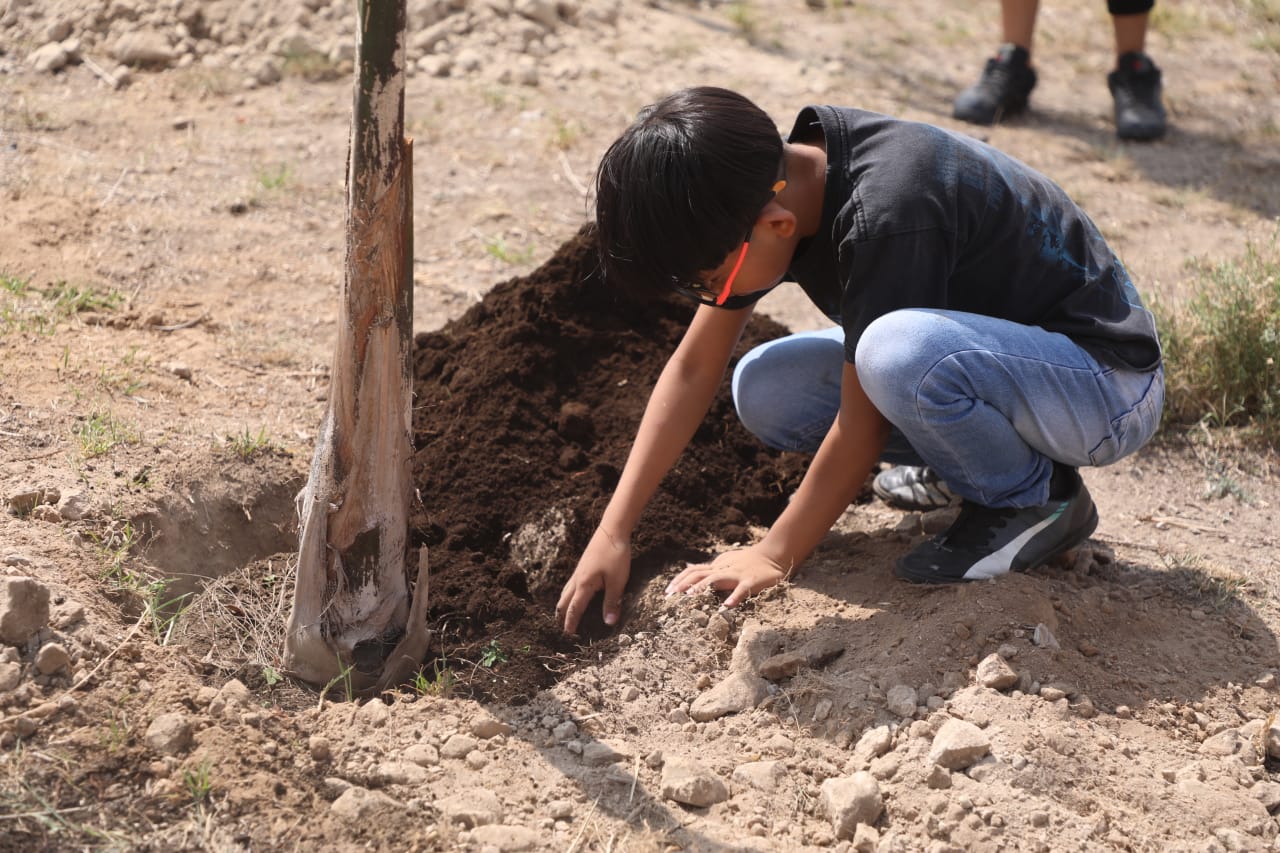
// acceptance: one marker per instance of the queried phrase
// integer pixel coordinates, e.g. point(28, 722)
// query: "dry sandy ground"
point(171, 253)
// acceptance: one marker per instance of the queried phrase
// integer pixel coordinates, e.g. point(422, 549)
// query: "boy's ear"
point(778, 220)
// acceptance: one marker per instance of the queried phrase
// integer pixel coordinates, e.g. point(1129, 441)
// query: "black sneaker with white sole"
point(985, 542)
point(912, 487)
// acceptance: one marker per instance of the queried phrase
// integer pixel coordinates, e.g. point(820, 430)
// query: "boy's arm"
point(852, 446)
point(679, 402)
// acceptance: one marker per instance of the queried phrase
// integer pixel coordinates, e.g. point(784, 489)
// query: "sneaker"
point(1002, 90)
point(1135, 86)
point(985, 543)
point(912, 487)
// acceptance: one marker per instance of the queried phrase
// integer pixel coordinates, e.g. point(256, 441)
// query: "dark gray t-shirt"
point(915, 216)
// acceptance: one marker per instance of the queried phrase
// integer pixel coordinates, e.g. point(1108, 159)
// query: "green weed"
point(271, 676)
point(311, 65)
point(102, 431)
point(440, 683)
point(492, 655)
point(499, 249)
point(246, 445)
point(275, 177)
point(198, 782)
point(1215, 586)
point(26, 308)
point(162, 612)
point(1222, 351)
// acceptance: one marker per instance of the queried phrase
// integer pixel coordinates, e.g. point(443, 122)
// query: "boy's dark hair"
point(676, 193)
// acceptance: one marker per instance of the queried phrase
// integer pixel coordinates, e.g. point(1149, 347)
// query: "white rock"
point(401, 773)
point(489, 727)
point(762, 775)
point(850, 801)
point(423, 755)
point(505, 838)
point(357, 805)
point(24, 609)
point(457, 746)
point(471, 808)
point(738, 692)
point(52, 657)
point(143, 47)
point(994, 672)
point(873, 744)
point(958, 744)
point(686, 781)
point(49, 58)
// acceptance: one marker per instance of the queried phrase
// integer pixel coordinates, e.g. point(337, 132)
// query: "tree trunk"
point(352, 602)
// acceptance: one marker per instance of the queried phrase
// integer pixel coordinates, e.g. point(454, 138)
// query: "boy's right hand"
point(605, 564)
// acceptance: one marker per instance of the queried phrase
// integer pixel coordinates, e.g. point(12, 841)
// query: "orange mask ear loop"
point(742, 256)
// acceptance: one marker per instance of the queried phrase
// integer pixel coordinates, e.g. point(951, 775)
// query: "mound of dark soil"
point(524, 412)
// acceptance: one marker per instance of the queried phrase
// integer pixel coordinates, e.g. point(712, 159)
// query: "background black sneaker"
point(912, 487)
point(985, 543)
point(1135, 86)
point(1002, 90)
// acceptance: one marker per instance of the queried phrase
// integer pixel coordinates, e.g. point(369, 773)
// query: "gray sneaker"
point(912, 487)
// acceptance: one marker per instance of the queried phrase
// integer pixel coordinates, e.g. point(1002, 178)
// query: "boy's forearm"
point(833, 480)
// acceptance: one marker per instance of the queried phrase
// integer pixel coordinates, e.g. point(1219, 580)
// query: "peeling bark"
point(352, 599)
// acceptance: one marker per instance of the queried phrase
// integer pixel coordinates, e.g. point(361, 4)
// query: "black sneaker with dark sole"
point(984, 543)
point(1002, 90)
point(1136, 88)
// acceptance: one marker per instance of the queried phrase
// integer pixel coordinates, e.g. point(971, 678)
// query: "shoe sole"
point(1081, 534)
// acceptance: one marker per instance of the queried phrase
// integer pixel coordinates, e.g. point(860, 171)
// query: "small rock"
point(599, 754)
point(375, 713)
point(400, 773)
point(319, 747)
point(995, 673)
point(471, 808)
point(458, 746)
point(169, 734)
point(901, 700)
point(873, 744)
point(143, 47)
point(1044, 638)
point(939, 778)
point(489, 727)
point(10, 676)
point(688, 782)
point(762, 775)
point(850, 801)
point(958, 744)
point(423, 755)
point(24, 609)
point(52, 657)
point(360, 805)
point(738, 692)
point(560, 809)
point(505, 838)
point(75, 506)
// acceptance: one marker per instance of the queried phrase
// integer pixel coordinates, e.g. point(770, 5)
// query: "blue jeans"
point(987, 403)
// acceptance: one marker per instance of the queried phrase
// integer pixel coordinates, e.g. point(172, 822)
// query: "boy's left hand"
point(745, 572)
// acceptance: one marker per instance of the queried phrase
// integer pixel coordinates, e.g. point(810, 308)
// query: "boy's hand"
point(745, 572)
point(605, 564)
